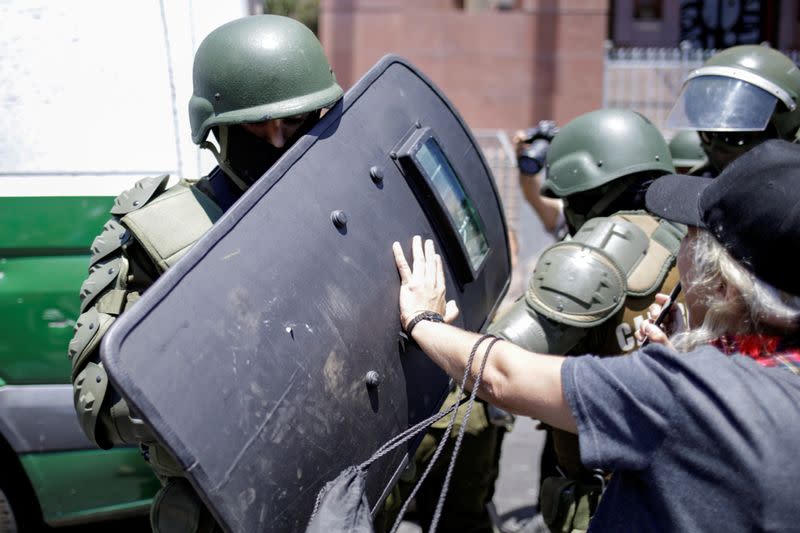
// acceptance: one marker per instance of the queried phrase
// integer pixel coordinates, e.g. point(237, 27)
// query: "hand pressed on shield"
point(422, 286)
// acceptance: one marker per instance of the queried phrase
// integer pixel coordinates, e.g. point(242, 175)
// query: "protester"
point(697, 441)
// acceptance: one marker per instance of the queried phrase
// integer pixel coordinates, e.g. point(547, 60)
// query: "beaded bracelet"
point(425, 315)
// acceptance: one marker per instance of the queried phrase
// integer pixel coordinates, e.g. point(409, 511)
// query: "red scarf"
point(767, 350)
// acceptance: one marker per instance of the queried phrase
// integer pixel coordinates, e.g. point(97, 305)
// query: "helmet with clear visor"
point(745, 88)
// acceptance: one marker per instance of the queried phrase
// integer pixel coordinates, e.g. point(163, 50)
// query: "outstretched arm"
point(514, 379)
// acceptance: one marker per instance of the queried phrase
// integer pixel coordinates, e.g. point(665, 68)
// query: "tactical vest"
point(656, 273)
point(151, 228)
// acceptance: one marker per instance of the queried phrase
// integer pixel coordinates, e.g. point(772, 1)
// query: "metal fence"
point(648, 80)
point(499, 153)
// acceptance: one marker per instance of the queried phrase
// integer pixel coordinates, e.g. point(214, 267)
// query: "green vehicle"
point(87, 110)
point(51, 472)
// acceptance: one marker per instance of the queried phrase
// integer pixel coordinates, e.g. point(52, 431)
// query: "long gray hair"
point(753, 307)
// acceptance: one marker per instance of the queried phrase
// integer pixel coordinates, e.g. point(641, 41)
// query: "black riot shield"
point(269, 358)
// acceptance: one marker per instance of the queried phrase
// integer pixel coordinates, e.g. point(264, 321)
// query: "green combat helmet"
point(687, 151)
point(737, 99)
point(591, 155)
point(254, 69)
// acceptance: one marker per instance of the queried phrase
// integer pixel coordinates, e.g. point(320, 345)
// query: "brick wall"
point(502, 69)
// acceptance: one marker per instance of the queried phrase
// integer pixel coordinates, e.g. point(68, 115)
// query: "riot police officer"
point(260, 83)
point(739, 98)
point(589, 292)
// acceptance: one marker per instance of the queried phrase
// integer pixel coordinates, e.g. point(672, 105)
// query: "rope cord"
point(411, 432)
point(446, 485)
point(408, 434)
point(450, 425)
point(394, 442)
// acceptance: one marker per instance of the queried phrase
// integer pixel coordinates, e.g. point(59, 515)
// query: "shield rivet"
point(339, 218)
point(373, 379)
point(377, 174)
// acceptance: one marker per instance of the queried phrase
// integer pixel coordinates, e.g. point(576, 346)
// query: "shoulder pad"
point(583, 282)
point(140, 194)
point(523, 326)
point(89, 329)
point(112, 238)
point(171, 223)
point(89, 390)
point(664, 240)
point(126, 426)
point(101, 276)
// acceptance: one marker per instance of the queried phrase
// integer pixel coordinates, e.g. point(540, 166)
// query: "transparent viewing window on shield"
point(468, 223)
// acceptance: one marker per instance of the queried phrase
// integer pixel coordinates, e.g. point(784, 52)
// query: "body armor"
point(150, 229)
point(589, 294)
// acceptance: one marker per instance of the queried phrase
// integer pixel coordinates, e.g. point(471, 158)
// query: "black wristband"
point(425, 315)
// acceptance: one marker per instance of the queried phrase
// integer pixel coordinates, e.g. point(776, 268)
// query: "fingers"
point(430, 263)
point(440, 282)
point(426, 268)
point(402, 264)
point(450, 311)
point(424, 283)
point(417, 257)
point(662, 299)
point(654, 333)
point(653, 311)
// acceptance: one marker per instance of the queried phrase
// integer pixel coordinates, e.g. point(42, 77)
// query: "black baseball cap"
point(752, 208)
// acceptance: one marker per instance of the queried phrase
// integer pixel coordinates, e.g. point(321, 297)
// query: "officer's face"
point(277, 132)
point(723, 147)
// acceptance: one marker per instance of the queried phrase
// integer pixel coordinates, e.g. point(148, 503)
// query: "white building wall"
point(94, 93)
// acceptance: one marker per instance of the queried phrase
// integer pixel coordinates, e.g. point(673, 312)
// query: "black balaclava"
point(250, 156)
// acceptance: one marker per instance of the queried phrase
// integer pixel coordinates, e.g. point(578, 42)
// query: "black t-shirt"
point(697, 441)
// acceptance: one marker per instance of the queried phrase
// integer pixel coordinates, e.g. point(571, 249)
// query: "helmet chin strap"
point(613, 192)
point(221, 155)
